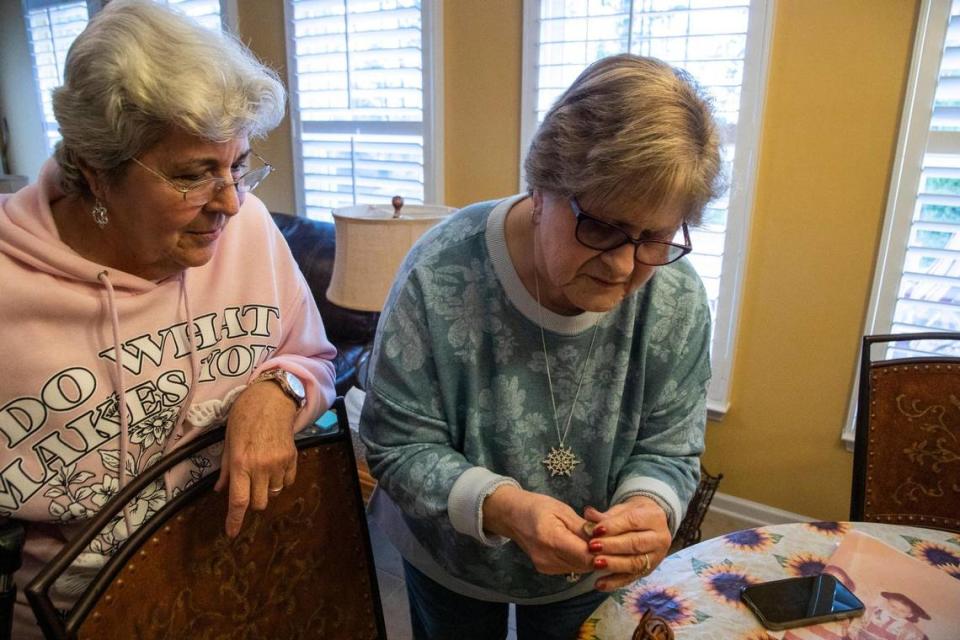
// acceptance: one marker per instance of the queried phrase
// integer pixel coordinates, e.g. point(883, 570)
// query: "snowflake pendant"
point(560, 461)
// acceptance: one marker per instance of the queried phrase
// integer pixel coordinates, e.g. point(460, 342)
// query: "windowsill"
point(848, 438)
point(717, 411)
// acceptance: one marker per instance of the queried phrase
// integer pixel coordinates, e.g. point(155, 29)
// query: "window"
point(51, 29)
point(52, 26)
point(917, 280)
point(361, 78)
point(723, 44)
point(206, 12)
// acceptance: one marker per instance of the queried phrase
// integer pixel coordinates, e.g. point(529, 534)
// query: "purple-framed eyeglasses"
point(603, 236)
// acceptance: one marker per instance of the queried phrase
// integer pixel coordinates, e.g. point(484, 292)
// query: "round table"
point(697, 589)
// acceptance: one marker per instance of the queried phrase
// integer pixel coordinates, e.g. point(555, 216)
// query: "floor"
point(393, 591)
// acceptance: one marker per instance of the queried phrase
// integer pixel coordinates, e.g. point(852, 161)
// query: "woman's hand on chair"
point(629, 540)
point(259, 456)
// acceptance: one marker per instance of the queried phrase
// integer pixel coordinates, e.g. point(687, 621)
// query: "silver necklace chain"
point(562, 461)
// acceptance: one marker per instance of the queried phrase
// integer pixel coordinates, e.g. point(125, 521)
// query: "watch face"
point(295, 385)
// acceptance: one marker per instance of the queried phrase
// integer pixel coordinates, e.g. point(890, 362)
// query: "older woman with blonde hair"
point(148, 294)
point(536, 406)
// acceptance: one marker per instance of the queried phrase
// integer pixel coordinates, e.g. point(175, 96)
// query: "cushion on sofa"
point(313, 245)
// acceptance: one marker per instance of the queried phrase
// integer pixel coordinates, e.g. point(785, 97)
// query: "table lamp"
point(372, 241)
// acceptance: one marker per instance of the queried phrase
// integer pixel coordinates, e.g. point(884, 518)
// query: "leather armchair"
point(313, 244)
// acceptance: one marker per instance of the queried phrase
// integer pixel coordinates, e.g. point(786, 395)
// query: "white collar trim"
point(518, 295)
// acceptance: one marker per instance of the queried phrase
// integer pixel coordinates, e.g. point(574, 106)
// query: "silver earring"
point(99, 213)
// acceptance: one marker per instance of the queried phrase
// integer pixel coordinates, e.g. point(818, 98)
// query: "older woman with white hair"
point(147, 293)
point(537, 399)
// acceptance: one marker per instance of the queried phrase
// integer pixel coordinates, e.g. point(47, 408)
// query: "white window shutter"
point(928, 298)
point(357, 79)
point(51, 29)
point(53, 25)
point(206, 12)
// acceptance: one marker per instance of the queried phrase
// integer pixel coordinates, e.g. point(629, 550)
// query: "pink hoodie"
point(63, 321)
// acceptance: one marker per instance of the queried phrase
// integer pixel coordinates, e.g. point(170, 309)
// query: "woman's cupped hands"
point(628, 540)
point(622, 544)
point(550, 532)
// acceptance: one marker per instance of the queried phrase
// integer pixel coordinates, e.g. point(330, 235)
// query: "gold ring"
point(646, 564)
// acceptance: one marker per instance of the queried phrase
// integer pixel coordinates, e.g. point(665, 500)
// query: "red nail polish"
point(599, 563)
point(600, 530)
point(596, 546)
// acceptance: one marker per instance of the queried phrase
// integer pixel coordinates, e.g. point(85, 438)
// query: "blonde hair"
point(139, 70)
point(629, 130)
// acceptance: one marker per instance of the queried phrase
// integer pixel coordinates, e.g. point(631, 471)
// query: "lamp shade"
point(371, 244)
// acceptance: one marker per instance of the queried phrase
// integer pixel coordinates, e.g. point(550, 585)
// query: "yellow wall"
point(836, 80)
point(482, 45)
point(260, 25)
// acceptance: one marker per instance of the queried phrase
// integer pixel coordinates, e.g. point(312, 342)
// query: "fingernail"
point(600, 585)
point(596, 546)
point(599, 563)
point(588, 528)
point(599, 530)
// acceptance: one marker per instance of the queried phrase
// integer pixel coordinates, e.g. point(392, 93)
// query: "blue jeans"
point(436, 613)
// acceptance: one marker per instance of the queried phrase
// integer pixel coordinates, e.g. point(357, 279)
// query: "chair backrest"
point(688, 532)
point(303, 568)
point(907, 454)
point(11, 552)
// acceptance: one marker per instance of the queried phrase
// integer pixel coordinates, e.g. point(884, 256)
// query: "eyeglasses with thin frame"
point(199, 192)
point(602, 236)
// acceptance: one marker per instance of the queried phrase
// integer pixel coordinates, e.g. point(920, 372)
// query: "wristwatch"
point(290, 384)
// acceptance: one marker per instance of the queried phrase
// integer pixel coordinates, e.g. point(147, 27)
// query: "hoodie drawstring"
point(121, 392)
point(177, 431)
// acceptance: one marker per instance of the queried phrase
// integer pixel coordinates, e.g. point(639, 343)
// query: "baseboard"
point(752, 514)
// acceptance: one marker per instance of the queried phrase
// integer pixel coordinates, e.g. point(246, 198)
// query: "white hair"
point(140, 70)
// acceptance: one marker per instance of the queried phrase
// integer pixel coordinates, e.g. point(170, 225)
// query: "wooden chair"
point(906, 465)
point(688, 532)
point(301, 569)
point(11, 551)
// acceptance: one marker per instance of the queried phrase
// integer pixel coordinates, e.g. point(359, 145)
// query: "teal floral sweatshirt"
point(458, 404)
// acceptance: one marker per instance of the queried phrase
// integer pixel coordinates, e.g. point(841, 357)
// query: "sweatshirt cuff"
point(658, 491)
point(465, 503)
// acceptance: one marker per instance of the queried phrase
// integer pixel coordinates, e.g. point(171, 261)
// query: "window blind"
point(51, 29)
point(358, 93)
point(206, 12)
point(53, 25)
point(928, 296)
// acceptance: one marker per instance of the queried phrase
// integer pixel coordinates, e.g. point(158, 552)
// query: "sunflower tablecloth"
point(697, 589)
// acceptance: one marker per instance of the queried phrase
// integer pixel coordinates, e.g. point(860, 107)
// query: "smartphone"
point(795, 602)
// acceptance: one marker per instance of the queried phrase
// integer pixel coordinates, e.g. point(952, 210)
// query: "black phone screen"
point(797, 601)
